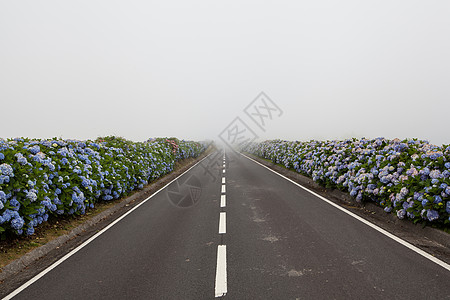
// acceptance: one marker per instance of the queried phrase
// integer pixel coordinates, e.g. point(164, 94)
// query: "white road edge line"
point(223, 188)
point(221, 271)
point(223, 201)
point(65, 257)
point(223, 223)
point(379, 229)
point(223, 170)
point(223, 179)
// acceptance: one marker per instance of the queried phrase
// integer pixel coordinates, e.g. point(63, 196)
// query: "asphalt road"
point(251, 235)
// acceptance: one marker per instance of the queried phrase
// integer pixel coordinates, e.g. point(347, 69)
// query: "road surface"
point(230, 228)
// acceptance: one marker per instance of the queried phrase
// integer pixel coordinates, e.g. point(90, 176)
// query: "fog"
point(140, 69)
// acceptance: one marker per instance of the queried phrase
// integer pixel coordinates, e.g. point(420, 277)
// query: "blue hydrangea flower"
point(404, 191)
point(32, 196)
point(22, 160)
point(17, 223)
point(359, 197)
point(435, 174)
point(30, 231)
point(14, 203)
point(2, 196)
point(47, 202)
point(6, 170)
point(425, 171)
point(7, 215)
point(371, 186)
point(85, 182)
point(4, 179)
point(35, 149)
point(401, 213)
point(432, 215)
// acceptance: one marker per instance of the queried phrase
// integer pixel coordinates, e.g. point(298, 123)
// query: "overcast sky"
point(140, 69)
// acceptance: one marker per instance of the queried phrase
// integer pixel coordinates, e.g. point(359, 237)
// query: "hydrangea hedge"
point(409, 177)
point(56, 177)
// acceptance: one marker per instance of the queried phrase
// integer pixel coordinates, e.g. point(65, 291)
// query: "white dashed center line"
point(223, 223)
point(223, 201)
point(221, 268)
point(221, 274)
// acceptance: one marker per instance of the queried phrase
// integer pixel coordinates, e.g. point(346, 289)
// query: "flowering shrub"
point(409, 177)
point(39, 178)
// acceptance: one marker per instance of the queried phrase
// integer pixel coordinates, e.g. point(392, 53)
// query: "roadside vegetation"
point(410, 178)
point(57, 178)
